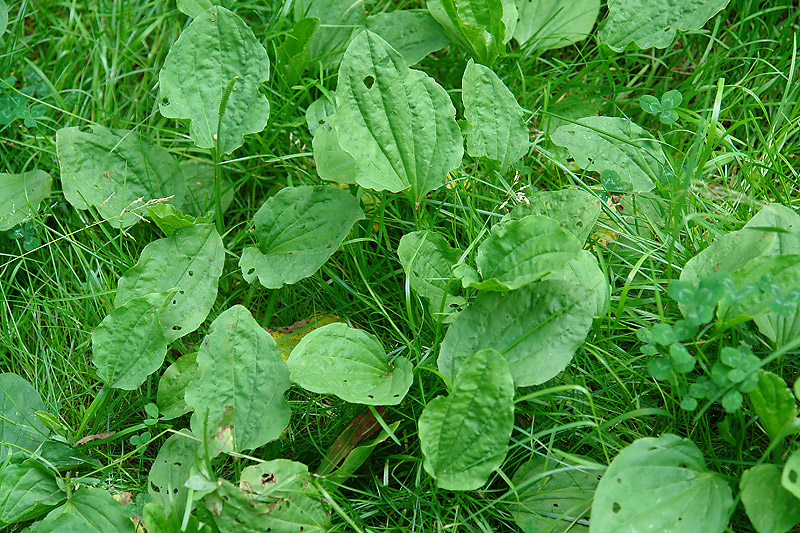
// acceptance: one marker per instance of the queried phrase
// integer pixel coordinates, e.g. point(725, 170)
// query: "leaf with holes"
point(428, 261)
point(498, 129)
point(397, 123)
point(464, 435)
point(20, 196)
point(88, 510)
point(774, 404)
point(770, 507)
point(661, 484)
point(350, 363)
point(608, 143)
point(649, 24)
point(190, 261)
point(555, 24)
point(298, 230)
point(27, 490)
point(173, 465)
point(576, 210)
point(338, 20)
point(790, 477)
point(537, 329)
point(482, 26)
point(172, 386)
point(520, 252)
point(333, 163)
point(239, 366)
point(413, 35)
point(215, 53)
point(129, 344)
point(116, 172)
point(19, 426)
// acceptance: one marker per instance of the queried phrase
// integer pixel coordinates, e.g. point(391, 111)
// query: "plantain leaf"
point(576, 210)
point(27, 490)
point(172, 386)
point(116, 172)
point(774, 404)
point(661, 484)
point(169, 219)
point(413, 35)
point(790, 477)
point(397, 123)
point(20, 196)
point(166, 482)
point(3, 17)
point(89, 510)
point(195, 8)
point(333, 163)
point(601, 144)
point(649, 24)
point(240, 366)
point(464, 436)
point(585, 272)
point(338, 20)
point(498, 130)
point(537, 329)
point(482, 26)
point(350, 363)
point(216, 50)
point(190, 261)
point(298, 230)
point(20, 429)
point(129, 344)
point(770, 507)
point(554, 24)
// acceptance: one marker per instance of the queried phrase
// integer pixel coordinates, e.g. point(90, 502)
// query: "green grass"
point(97, 62)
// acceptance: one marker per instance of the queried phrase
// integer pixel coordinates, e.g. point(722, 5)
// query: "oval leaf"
point(215, 50)
point(770, 507)
point(172, 386)
point(413, 35)
point(397, 123)
point(464, 436)
point(89, 510)
point(555, 24)
point(27, 490)
point(350, 363)
point(585, 272)
point(240, 366)
point(116, 172)
point(790, 477)
point(172, 467)
point(661, 484)
point(537, 329)
point(774, 404)
point(19, 426)
point(190, 260)
point(498, 130)
point(298, 229)
point(333, 163)
point(20, 196)
point(576, 210)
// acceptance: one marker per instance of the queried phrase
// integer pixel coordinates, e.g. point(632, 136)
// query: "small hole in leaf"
point(175, 491)
point(370, 396)
point(555, 505)
point(793, 476)
point(619, 480)
point(191, 273)
point(615, 507)
point(396, 395)
point(176, 328)
point(251, 271)
point(155, 487)
point(579, 223)
point(369, 81)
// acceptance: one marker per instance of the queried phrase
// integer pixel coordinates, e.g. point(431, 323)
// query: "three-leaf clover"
point(665, 108)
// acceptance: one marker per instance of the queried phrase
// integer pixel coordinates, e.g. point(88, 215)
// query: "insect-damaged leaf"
point(654, 24)
point(88, 510)
point(112, 170)
point(240, 366)
point(790, 477)
point(171, 468)
point(298, 229)
point(190, 260)
point(129, 344)
point(333, 163)
point(661, 484)
point(397, 123)
point(216, 50)
point(20, 196)
point(413, 35)
point(464, 435)
point(19, 426)
point(537, 329)
point(576, 210)
point(498, 130)
point(350, 363)
point(615, 144)
point(27, 490)
point(555, 24)
point(770, 507)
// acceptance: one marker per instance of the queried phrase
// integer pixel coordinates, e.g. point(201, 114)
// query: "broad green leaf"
point(298, 230)
point(20, 196)
point(89, 510)
point(172, 386)
point(608, 143)
point(585, 271)
point(116, 172)
point(20, 429)
point(520, 252)
point(287, 337)
point(498, 129)
point(413, 35)
point(333, 163)
point(464, 435)
point(240, 366)
point(576, 210)
point(171, 468)
point(319, 110)
point(129, 344)
point(649, 24)
point(555, 24)
point(59, 457)
point(428, 261)
point(338, 20)
point(537, 329)
point(661, 484)
point(774, 404)
point(350, 363)
point(195, 8)
point(770, 507)
point(27, 490)
point(790, 477)
point(199, 198)
point(482, 26)
point(190, 261)
point(294, 53)
point(169, 219)
point(783, 222)
point(3, 17)
point(397, 123)
point(551, 493)
point(216, 50)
